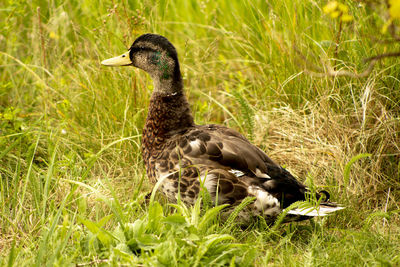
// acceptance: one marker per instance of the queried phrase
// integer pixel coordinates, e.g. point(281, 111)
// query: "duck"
point(189, 159)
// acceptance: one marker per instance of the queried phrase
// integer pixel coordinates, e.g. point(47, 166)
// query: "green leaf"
point(103, 235)
point(182, 209)
point(175, 219)
point(123, 251)
point(349, 164)
point(104, 220)
point(144, 242)
point(155, 215)
point(232, 263)
point(12, 255)
point(135, 229)
point(196, 212)
point(210, 241)
point(8, 149)
point(232, 217)
point(209, 216)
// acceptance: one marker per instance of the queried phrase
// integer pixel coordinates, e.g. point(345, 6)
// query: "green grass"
point(72, 181)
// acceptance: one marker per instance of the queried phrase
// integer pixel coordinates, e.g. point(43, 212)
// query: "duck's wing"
point(226, 159)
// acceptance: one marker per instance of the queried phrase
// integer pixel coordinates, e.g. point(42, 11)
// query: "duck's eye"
point(123, 55)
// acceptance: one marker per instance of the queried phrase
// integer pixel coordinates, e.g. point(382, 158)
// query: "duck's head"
point(154, 54)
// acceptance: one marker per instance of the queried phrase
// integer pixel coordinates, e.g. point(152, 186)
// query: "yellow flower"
point(343, 8)
point(346, 18)
point(335, 14)
point(54, 36)
point(330, 7)
point(394, 9)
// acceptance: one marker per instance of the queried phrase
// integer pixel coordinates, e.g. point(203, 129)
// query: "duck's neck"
point(169, 112)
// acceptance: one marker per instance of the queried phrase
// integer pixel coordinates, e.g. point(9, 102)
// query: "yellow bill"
point(122, 60)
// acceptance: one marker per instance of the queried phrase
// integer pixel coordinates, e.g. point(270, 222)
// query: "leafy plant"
point(184, 236)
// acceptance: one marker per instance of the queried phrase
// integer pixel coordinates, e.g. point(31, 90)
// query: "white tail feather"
point(315, 211)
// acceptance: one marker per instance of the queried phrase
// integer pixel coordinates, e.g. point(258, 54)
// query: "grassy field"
point(72, 180)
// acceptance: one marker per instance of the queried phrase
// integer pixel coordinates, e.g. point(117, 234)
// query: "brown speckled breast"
point(168, 115)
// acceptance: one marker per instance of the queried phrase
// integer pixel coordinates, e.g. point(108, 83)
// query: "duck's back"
point(227, 165)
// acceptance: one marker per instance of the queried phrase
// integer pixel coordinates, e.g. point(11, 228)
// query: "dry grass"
point(318, 141)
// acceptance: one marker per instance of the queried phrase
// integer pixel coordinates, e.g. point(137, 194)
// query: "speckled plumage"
point(187, 155)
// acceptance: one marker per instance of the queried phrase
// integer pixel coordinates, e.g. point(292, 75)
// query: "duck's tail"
point(323, 209)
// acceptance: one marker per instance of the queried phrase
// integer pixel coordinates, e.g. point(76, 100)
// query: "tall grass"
point(72, 182)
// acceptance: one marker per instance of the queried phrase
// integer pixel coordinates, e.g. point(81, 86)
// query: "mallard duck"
point(190, 158)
